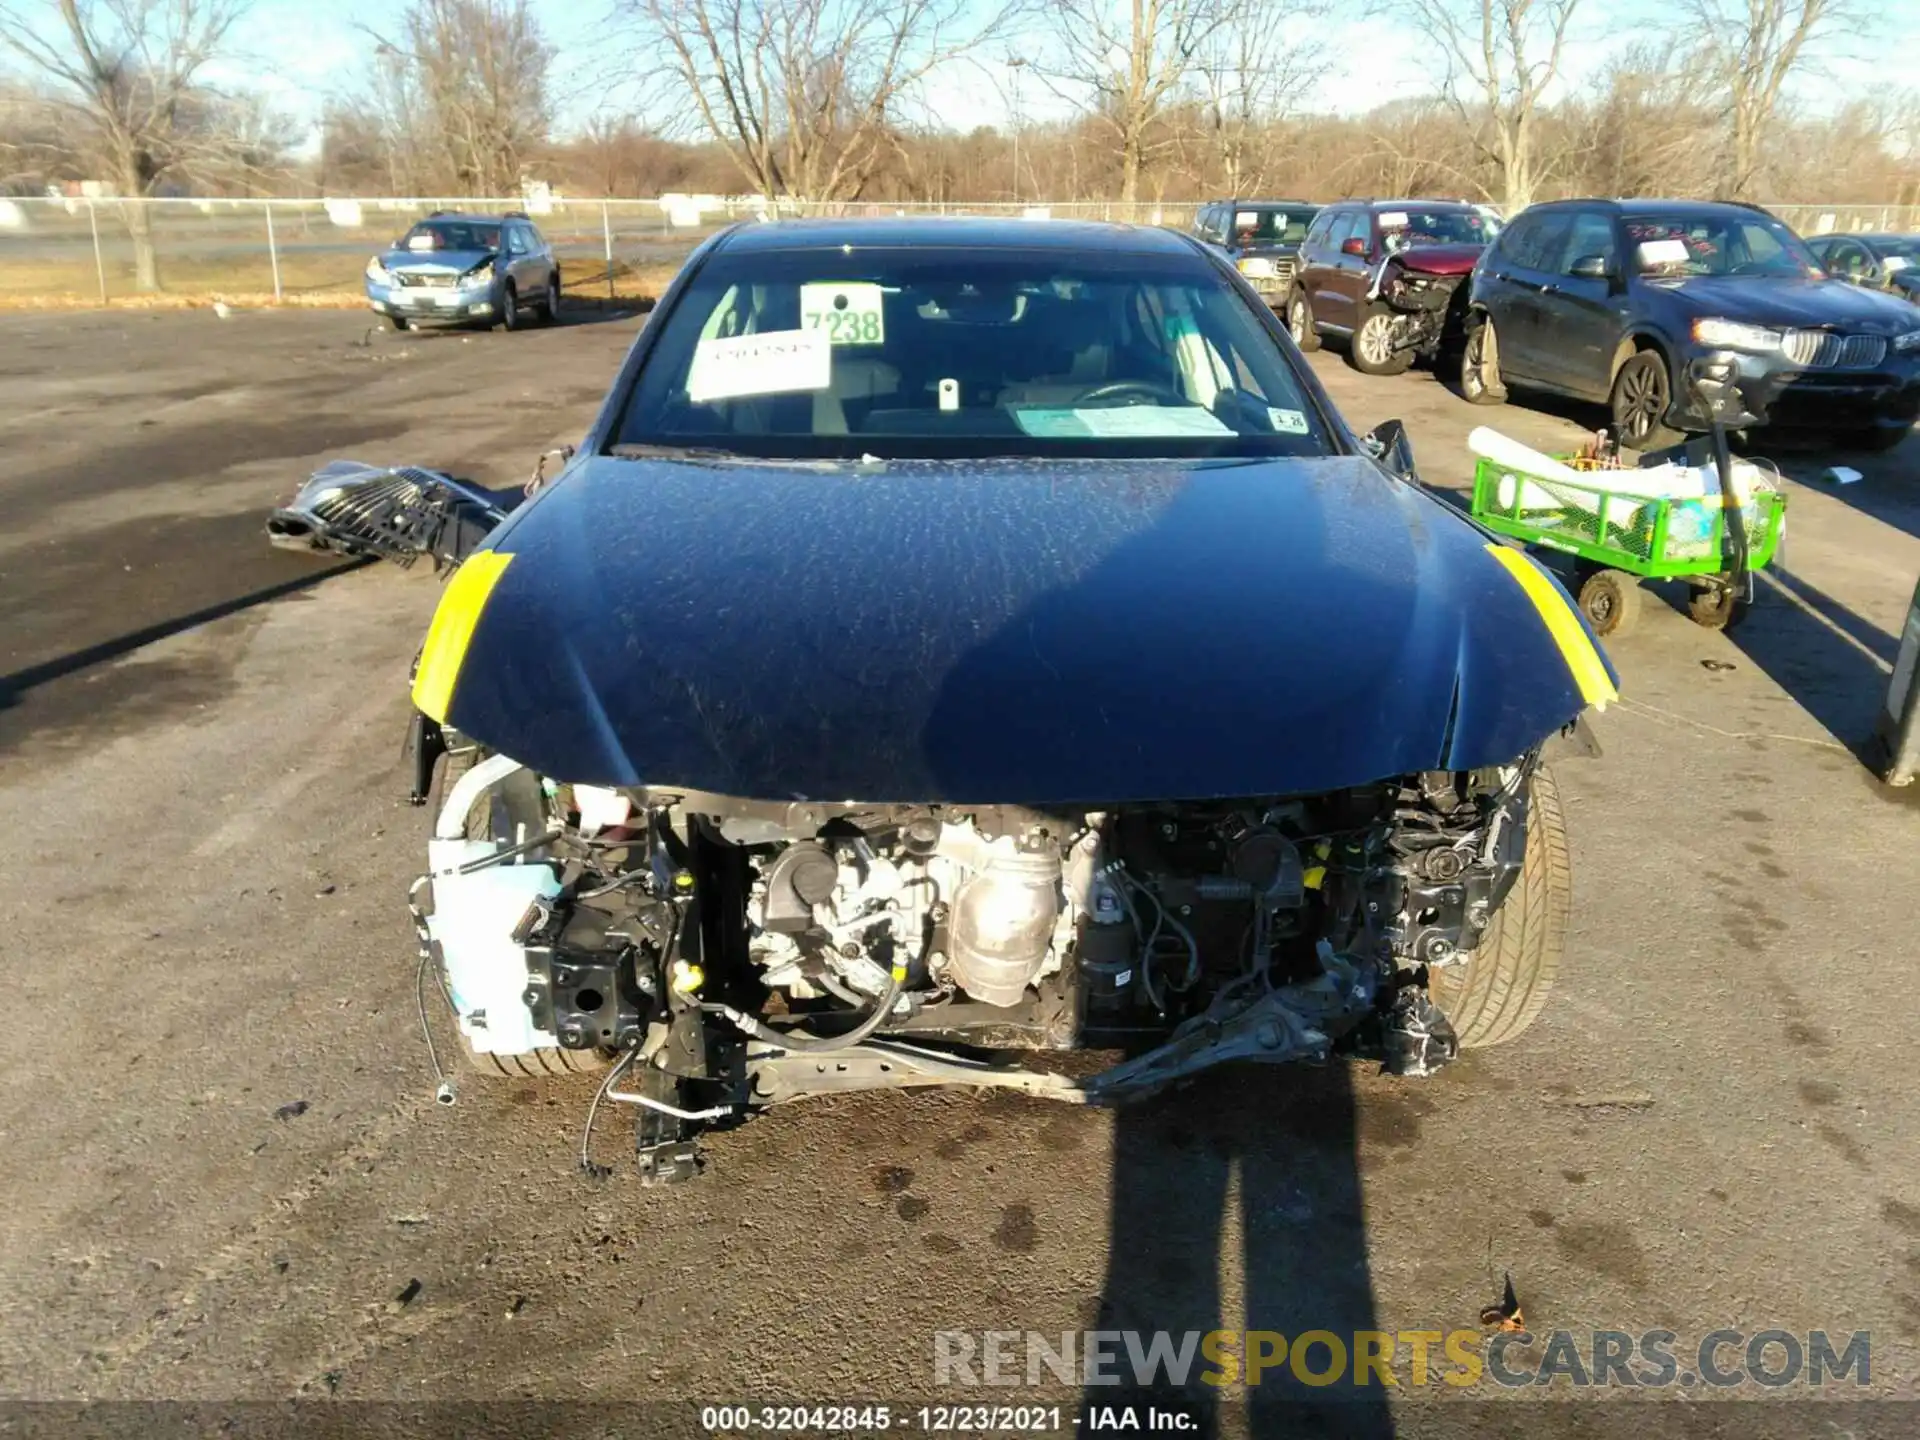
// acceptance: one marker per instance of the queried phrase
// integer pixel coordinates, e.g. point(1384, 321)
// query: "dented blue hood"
point(1007, 631)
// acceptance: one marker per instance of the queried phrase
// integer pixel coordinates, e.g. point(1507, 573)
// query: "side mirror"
point(1387, 443)
point(1353, 246)
point(1593, 267)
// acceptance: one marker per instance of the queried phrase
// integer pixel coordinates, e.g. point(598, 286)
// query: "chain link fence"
point(313, 251)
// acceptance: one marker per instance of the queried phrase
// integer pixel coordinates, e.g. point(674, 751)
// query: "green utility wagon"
point(1619, 540)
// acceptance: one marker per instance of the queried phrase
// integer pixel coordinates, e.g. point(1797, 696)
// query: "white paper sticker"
point(849, 314)
point(774, 363)
point(1663, 252)
point(420, 242)
point(1287, 422)
point(1393, 219)
point(1120, 422)
point(1893, 263)
point(1246, 220)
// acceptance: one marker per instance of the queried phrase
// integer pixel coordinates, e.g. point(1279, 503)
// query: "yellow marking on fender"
point(1589, 670)
point(460, 606)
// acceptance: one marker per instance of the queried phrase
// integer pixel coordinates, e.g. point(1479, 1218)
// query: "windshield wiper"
point(636, 451)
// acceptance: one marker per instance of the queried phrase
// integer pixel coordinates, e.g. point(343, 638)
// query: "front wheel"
point(1716, 608)
point(1372, 350)
point(1300, 322)
point(511, 317)
point(1480, 382)
point(1493, 993)
point(550, 307)
point(1642, 395)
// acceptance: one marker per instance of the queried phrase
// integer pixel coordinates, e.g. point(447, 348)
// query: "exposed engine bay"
point(720, 955)
point(1429, 310)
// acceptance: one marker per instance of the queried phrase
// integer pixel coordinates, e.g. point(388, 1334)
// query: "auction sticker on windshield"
point(1120, 422)
point(774, 363)
point(849, 314)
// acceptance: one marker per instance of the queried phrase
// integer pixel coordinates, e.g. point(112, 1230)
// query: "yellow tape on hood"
point(460, 606)
point(1589, 670)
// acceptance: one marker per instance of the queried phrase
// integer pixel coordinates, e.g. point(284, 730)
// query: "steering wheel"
point(1131, 392)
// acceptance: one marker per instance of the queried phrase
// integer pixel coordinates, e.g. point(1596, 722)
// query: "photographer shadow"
point(1256, 1165)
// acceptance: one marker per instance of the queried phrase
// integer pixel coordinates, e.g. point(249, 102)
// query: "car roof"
point(959, 232)
point(1267, 204)
point(1872, 237)
point(467, 218)
point(1367, 204)
point(1702, 208)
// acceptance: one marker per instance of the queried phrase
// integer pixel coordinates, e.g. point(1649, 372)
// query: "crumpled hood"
point(1810, 304)
point(1005, 631)
point(457, 262)
point(1441, 259)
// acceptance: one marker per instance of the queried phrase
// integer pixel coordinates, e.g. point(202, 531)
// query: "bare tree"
point(1251, 72)
point(803, 94)
point(1132, 61)
point(123, 73)
point(1753, 46)
point(1501, 57)
point(461, 95)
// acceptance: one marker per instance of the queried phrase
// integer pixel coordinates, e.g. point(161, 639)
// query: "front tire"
point(1300, 322)
point(550, 307)
point(505, 811)
point(1480, 380)
point(1642, 395)
point(512, 317)
point(1494, 993)
point(1716, 609)
point(1610, 599)
point(1370, 350)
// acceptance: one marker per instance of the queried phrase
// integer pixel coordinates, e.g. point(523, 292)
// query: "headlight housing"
point(377, 272)
point(1257, 267)
point(1908, 343)
point(481, 274)
point(1735, 335)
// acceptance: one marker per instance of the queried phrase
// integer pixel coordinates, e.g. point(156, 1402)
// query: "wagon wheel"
point(1717, 608)
point(1610, 599)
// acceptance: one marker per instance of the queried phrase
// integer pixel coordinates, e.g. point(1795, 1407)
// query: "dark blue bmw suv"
point(1609, 300)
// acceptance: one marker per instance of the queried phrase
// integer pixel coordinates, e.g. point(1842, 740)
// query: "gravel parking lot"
point(227, 1177)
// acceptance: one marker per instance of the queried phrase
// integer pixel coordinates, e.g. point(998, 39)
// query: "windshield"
point(1733, 244)
point(938, 352)
point(451, 235)
point(1254, 226)
point(1400, 229)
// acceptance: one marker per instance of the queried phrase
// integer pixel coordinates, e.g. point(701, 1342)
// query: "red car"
point(1388, 277)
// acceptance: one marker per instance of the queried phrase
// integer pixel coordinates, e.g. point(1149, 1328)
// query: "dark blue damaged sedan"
point(962, 636)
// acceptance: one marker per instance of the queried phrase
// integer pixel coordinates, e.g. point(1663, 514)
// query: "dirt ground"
point(226, 1176)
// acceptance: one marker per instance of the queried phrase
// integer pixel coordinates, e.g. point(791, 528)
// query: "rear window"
point(939, 352)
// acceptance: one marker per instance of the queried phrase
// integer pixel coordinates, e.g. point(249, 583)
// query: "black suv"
point(1610, 300)
point(1262, 237)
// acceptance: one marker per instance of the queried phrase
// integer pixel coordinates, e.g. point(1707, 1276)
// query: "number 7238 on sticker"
point(851, 314)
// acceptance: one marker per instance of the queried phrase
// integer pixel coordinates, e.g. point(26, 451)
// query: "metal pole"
point(606, 231)
point(273, 251)
point(99, 265)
